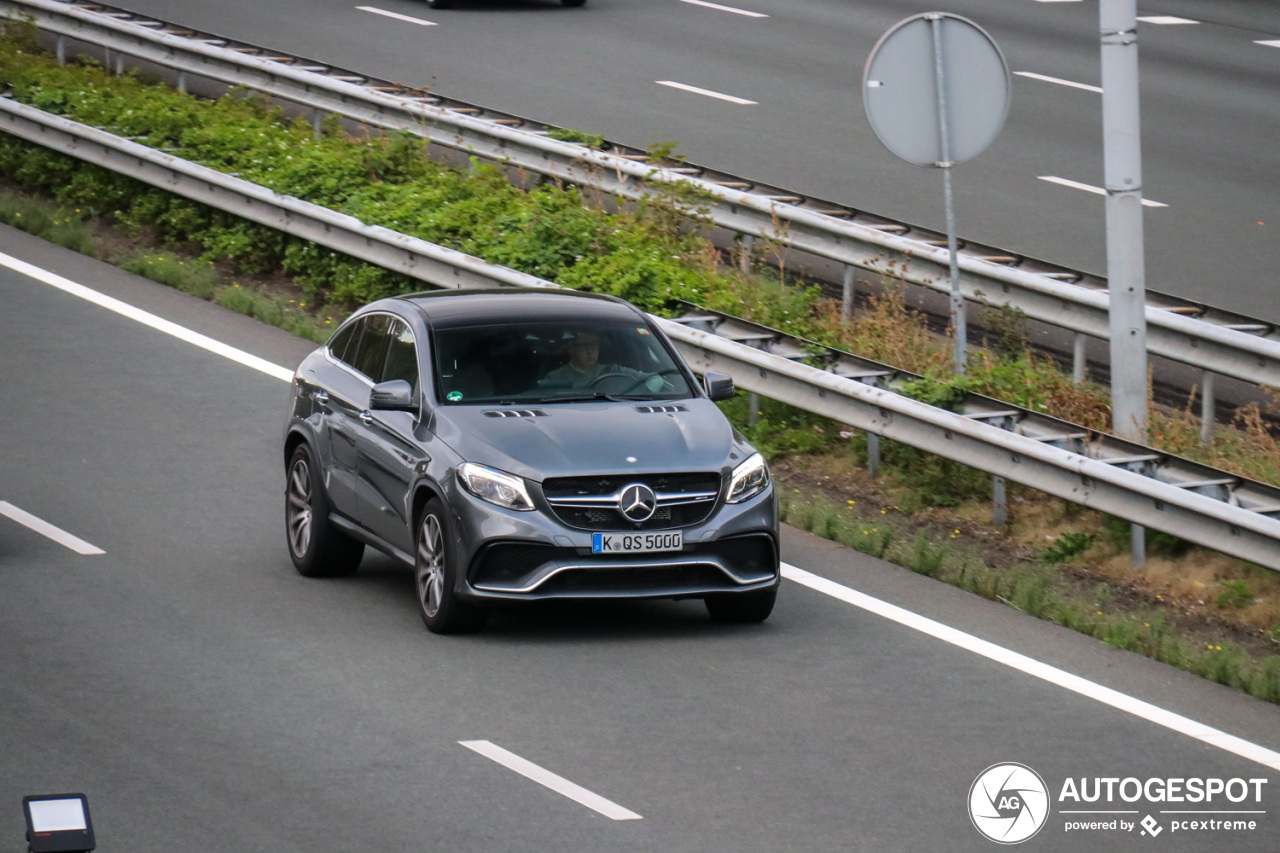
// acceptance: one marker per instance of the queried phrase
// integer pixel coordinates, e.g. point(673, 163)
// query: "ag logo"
point(1008, 803)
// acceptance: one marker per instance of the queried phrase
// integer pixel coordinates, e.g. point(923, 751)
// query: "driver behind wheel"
point(584, 367)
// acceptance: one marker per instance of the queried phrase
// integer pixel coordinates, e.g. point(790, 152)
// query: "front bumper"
point(531, 555)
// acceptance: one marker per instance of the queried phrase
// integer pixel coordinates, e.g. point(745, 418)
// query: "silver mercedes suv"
point(513, 445)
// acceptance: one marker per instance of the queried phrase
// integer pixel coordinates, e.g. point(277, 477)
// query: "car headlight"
point(749, 479)
point(494, 486)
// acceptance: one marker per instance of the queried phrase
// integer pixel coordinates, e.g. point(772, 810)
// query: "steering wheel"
point(600, 380)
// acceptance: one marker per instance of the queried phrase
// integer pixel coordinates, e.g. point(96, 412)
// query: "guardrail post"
point(1138, 537)
point(1079, 367)
point(999, 502)
point(317, 122)
point(846, 301)
point(1206, 407)
point(182, 82)
point(873, 455)
point(62, 50)
point(744, 252)
point(753, 399)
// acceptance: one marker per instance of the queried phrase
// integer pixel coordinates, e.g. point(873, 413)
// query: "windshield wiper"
point(582, 397)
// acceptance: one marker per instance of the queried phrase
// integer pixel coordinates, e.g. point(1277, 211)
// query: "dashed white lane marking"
point(1033, 667)
point(1165, 20)
point(1030, 666)
point(710, 94)
point(1273, 43)
point(547, 779)
point(1146, 202)
point(1047, 79)
point(146, 318)
point(408, 20)
point(46, 529)
point(720, 8)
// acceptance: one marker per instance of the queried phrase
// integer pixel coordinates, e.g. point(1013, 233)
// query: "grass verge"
point(1111, 613)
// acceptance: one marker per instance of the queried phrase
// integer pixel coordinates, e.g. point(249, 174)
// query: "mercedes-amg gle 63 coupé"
point(513, 445)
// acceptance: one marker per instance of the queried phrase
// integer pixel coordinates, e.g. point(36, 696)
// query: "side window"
point(371, 353)
point(343, 344)
point(402, 358)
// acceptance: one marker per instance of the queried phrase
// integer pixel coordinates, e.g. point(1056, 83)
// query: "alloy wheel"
point(430, 567)
point(299, 508)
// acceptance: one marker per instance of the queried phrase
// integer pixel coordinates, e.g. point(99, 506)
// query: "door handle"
point(366, 418)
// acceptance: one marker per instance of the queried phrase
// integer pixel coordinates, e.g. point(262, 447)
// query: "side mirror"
point(719, 385)
point(395, 395)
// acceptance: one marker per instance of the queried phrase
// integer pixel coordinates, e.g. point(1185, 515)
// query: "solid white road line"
point(376, 11)
point(1089, 188)
point(146, 318)
point(710, 94)
point(1166, 20)
point(547, 779)
point(1269, 43)
point(1059, 81)
point(44, 528)
point(720, 8)
point(1030, 666)
point(991, 651)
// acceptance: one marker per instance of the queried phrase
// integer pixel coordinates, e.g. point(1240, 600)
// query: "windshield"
point(548, 362)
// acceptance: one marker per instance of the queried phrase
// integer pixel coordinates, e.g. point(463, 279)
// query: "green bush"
point(925, 557)
point(197, 278)
point(1235, 594)
point(65, 227)
point(1265, 679)
point(1033, 592)
point(1066, 548)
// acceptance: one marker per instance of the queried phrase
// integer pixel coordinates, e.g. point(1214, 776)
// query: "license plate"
point(636, 543)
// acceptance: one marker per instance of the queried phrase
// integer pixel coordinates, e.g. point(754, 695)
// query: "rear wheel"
point(573, 2)
point(742, 607)
point(435, 573)
point(318, 549)
point(440, 4)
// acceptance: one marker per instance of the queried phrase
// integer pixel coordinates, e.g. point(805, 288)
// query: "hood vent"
point(515, 413)
point(660, 410)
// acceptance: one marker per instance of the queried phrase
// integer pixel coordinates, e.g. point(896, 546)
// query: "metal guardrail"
point(374, 244)
point(1181, 330)
point(1195, 502)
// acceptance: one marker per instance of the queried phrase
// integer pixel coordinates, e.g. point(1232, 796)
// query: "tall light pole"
point(1122, 160)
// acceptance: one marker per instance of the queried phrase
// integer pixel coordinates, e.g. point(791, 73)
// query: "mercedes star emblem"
point(637, 502)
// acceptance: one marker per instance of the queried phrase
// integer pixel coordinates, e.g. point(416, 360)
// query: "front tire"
point(435, 573)
point(318, 549)
point(742, 607)
point(574, 2)
point(443, 4)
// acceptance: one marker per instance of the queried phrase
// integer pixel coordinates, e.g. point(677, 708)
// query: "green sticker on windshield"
point(454, 396)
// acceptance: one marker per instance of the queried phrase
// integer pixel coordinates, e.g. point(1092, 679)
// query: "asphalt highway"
point(206, 697)
point(1209, 106)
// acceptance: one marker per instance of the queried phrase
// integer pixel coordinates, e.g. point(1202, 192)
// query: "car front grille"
point(591, 503)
